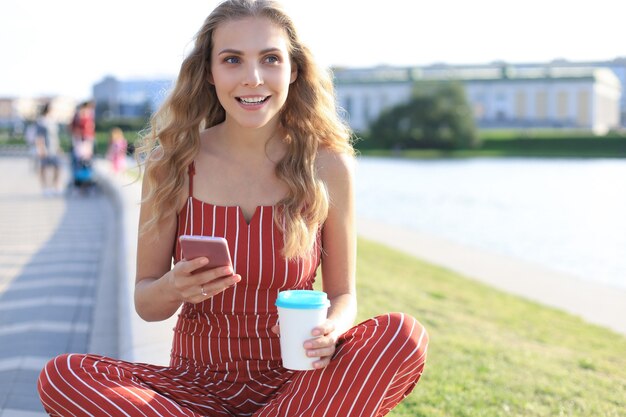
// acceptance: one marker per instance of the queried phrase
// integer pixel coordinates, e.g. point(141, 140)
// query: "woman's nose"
point(252, 76)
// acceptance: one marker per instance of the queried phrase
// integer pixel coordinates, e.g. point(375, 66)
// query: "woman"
point(249, 147)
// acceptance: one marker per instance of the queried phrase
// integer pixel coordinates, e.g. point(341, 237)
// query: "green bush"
point(437, 116)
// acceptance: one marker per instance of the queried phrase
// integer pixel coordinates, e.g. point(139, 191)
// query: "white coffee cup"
point(299, 311)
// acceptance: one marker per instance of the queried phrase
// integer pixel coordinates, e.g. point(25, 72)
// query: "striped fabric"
point(225, 361)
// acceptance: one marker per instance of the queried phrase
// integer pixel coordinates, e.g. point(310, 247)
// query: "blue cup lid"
point(302, 299)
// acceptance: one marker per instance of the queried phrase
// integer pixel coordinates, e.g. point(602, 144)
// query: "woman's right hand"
point(199, 286)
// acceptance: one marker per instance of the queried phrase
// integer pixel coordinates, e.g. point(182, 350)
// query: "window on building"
point(520, 105)
point(367, 111)
point(562, 105)
point(583, 108)
point(541, 104)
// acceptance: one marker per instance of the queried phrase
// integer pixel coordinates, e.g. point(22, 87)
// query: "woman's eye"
point(272, 59)
point(231, 60)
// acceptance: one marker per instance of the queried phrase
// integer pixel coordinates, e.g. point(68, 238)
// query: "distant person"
point(87, 121)
point(83, 132)
point(74, 126)
point(30, 137)
point(248, 146)
point(117, 150)
point(49, 151)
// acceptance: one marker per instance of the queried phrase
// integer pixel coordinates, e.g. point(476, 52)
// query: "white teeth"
point(252, 100)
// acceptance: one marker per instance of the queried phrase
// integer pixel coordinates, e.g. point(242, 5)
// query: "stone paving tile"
point(6, 381)
point(29, 341)
point(18, 413)
point(24, 402)
point(24, 385)
point(41, 284)
point(54, 313)
point(48, 345)
point(50, 289)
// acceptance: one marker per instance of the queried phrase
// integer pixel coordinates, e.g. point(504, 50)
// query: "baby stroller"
point(82, 168)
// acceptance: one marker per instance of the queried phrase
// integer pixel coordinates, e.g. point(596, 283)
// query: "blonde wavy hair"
point(309, 118)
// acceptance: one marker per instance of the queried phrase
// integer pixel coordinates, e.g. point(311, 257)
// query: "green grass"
point(538, 133)
point(524, 147)
point(490, 353)
point(554, 143)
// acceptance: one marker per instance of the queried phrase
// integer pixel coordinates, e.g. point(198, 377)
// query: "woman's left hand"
point(323, 344)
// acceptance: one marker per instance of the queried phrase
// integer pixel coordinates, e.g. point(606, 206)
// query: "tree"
point(437, 116)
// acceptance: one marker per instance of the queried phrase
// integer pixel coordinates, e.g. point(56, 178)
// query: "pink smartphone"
point(214, 248)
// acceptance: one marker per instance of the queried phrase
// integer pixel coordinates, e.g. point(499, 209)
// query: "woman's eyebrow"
point(237, 52)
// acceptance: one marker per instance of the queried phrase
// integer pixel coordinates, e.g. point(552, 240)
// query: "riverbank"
point(596, 303)
point(492, 354)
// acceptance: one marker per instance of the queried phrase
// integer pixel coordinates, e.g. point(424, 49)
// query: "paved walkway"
point(53, 253)
point(595, 303)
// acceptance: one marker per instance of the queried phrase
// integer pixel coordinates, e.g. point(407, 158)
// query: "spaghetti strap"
point(190, 172)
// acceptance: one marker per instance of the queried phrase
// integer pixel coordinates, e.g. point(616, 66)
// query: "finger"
point(189, 283)
point(322, 363)
point(190, 266)
point(327, 351)
point(276, 329)
point(198, 291)
point(323, 329)
point(218, 285)
point(320, 343)
point(213, 274)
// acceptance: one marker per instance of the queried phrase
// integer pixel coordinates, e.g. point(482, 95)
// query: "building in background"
point(555, 95)
point(128, 99)
point(573, 98)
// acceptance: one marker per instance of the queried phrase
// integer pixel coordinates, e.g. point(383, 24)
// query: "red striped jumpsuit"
point(225, 360)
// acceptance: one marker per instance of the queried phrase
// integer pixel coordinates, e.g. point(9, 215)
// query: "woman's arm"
point(155, 298)
point(338, 255)
point(160, 289)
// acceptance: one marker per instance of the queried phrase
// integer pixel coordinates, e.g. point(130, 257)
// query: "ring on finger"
point(202, 291)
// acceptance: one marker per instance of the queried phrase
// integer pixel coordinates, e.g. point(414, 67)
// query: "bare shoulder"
point(153, 168)
point(334, 166)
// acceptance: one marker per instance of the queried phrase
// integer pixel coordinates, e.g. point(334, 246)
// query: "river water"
point(566, 214)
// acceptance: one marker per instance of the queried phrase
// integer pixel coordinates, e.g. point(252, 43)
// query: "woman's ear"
point(210, 79)
point(294, 74)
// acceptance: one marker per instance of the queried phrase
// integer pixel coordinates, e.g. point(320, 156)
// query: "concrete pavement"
point(593, 302)
point(67, 270)
point(55, 288)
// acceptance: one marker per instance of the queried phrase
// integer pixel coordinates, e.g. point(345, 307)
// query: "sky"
point(63, 47)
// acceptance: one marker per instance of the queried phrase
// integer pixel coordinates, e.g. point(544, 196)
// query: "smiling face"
point(251, 70)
